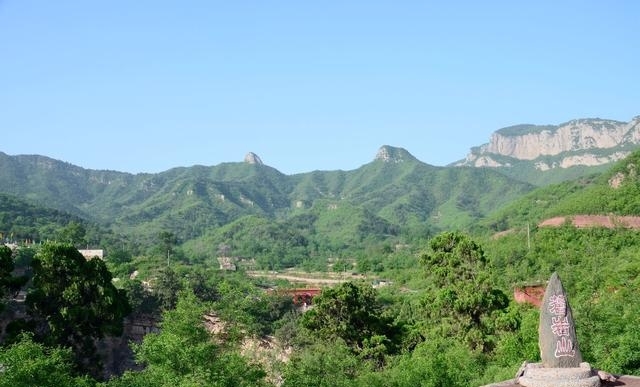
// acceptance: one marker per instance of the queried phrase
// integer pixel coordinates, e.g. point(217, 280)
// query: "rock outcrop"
point(587, 142)
point(252, 158)
point(389, 154)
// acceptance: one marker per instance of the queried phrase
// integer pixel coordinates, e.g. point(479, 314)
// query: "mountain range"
point(394, 188)
point(393, 194)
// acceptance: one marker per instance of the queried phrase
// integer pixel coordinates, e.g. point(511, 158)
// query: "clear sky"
point(144, 86)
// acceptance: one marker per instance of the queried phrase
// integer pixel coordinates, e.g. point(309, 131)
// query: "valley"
point(398, 263)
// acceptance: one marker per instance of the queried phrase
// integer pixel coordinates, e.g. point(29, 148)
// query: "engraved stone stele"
point(562, 364)
point(557, 333)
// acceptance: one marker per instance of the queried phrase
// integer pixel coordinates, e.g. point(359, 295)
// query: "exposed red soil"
point(531, 294)
point(583, 221)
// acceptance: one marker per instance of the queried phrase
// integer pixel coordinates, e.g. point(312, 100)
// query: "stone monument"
point(562, 364)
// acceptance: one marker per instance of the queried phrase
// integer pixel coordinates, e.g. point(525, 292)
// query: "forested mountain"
point(614, 192)
point(393, 192)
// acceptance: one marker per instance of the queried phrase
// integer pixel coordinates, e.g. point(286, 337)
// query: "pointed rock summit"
point(390, 154)
point(557, 332)
point(252, 158)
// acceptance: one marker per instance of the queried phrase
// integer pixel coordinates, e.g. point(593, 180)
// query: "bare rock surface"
point(587, 142)
point(252, 158)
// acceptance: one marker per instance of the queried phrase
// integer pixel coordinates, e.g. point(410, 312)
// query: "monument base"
point(535, 375)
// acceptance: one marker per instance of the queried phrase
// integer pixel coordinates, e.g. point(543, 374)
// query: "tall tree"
point(461, 299)
point(76, 299)
point(6, 267)
point(8, 282)
point(167, 240)
point(167, 287)
point(351, 312)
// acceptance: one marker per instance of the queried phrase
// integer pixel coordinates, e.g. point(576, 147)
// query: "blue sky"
point(144, 86)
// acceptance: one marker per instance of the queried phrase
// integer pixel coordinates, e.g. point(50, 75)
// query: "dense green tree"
point(462, 299)
point(74, 233)
point(75, 298)
point(166, 288)
point(119, 256)
point(204, 285)
point(6, 267)
point(24, 256)
point(140, 299)
point(185, 354)
point(248, 308)
point(28, 364)
point(440, 362)
point(9, 284)
point(324, 364)
point(167, 242)
point(351, 312)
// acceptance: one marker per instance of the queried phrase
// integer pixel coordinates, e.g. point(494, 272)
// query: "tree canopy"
point(76, 298)
point(462, 299)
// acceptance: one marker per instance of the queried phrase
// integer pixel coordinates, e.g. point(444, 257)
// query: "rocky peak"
point(389, 154)
point(252, 158)
point(587, 142)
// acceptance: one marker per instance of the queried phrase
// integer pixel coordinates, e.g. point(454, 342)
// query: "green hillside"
point(379, 199)
point(22, 220)
point(615, 191)
point(387, 222)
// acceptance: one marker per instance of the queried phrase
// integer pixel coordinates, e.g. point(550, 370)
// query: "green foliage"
point(527, 171)
point(27, 364)
point(274, 245)
point(73, 233)
point(461, 298)
point(435, 363)
point(376, 202)
point(185, 354)
point(139, 298)
point(166, 288)
point(75, 298)
point(448, 324)
point(522, 129)
point(248, 308)
point(330, 364)
point(6, 267)
point(518, 338)
point(352, 313)
point(22, 220)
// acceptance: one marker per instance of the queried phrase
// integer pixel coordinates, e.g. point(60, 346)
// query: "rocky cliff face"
point(252, 158)
point(587, 142)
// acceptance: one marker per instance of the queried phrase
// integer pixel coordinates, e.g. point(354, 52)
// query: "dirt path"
point(295, 277)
